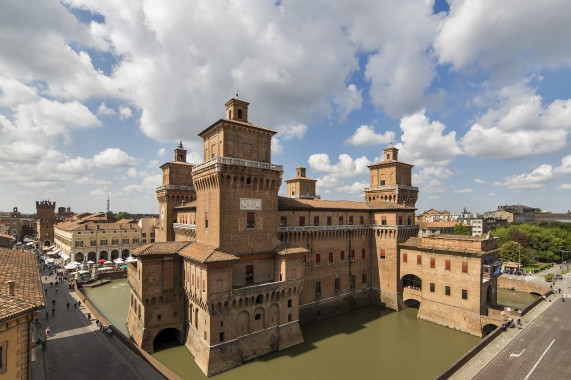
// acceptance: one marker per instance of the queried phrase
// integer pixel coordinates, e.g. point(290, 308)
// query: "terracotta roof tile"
point(22, 268)
point(160, 248)
point(205, 253)
point(301, 204)
point(379, 204)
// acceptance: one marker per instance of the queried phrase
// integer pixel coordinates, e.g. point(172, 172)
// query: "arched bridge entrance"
point(167, 338)
point(411, 290)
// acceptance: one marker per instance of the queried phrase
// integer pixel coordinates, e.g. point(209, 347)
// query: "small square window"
point(250, 220)
point(432, 262)
point(302, 221)
point(317, 259)
point(316, 221)
point(342, 255)
point(404, 258)
point(432, 286)
point(330, 257)
point(289, 303)
point(419, 259)
point(447, 264)
point(447, 290)
point(465, 267)
point(328, 220)
point(383, 254)
point(464, 294)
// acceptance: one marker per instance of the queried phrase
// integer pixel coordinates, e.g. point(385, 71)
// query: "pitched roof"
point(379, 204)
point(22, 268)
point(440, 224)
point(301, 204)
point(205, 253)
point(160, 248)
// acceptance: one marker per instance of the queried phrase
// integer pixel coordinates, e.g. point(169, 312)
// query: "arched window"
point(239, 114)
point(229, 114)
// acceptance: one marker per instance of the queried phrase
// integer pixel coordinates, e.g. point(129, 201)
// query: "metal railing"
point(391, 187)
point(351, 227)
point(236, 162)
point(176, 187)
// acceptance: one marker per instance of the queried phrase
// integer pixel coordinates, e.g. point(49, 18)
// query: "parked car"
point(559, 277)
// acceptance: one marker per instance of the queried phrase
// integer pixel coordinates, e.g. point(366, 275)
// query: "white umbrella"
point(70, 266)
point(91, 262)
point(130, 260)
point(74, 263)
point(107, 262)
point(118, 261)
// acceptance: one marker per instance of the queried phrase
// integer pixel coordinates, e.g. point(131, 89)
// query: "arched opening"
point(489, 296)
point(103, 255)
point(411, 281)
point(114, 254)
point(125, 253)
point(92, 256)
point(79, 257)
point(412, 303)
point(535, 294)
point(239, 113)
point(167, 338)
point(488, 329)
point(46, 243)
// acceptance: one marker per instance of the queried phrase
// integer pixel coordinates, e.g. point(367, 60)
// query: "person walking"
point(54, 311)
point(47, 314)
point(44, 344)
point(48, 331)
point(68, 306)
point(74, 305)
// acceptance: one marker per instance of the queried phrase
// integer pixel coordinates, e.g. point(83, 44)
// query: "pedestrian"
point(56, 289)
point(74, 304)
point(54, 302)
point(68, 306)
point(48, 331)
point(100, 326)
point(54, 311)
point(89, 316)
point(78, 303)
point(46, 290)
point(47, 314)
point(97, 322)
point(51, 283)
point(44, 344)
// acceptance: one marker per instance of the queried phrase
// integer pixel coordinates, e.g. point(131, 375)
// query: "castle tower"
point(392, 198)
point(45, 223)
point(391, 180)
point(300, 186)
point(237, 185)
point(177, 189)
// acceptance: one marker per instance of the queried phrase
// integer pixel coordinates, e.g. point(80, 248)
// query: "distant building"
point(519, 213)
point(440, 228)
point(7, 241)
point(433, 215)
point(11, 224)
point(45, 211)
point(92, 237)
point(21, 296)
point(552, 217)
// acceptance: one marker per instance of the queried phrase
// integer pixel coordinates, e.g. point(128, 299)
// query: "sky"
point(96, 94)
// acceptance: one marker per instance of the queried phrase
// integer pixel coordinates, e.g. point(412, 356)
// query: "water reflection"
point(370, 342)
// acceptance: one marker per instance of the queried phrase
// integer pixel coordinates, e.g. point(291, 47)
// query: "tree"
point(460, 229)
point(519, 237)
point(510, 251)
point(123, 215)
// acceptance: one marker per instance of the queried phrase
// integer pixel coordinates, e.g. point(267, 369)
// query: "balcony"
point(347, 227)
point(218, 161)
point(176, 187)
point(263, 287)
point(189, 227)
point(390, 187)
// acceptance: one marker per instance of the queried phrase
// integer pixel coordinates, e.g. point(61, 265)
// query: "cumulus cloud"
point(125, 113)
point(464, 191)
point(565, 167)
point(537, 179)
point(480, 181)
point(505, 37)
point(289, 132)
point(425, 143)
point(277, 147)
point(365, 135)
point(161, 152)
point(355, 188)
point(346, 167)
point(104, 110)
point(348, 100)
point(520, 126)
point(113, 158)
point(564, 186)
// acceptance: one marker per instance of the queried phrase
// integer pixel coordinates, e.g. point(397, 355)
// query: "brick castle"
point(237, 270)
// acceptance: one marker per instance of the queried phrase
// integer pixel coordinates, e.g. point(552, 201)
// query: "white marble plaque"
point(250, 204)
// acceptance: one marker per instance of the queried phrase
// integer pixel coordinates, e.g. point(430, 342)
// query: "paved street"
point(542, 350)
point(538, 351)
point(76, 349)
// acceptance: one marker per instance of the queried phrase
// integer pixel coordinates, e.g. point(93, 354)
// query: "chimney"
point(11, 286)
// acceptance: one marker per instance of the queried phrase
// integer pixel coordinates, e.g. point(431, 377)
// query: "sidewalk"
point(484, 357)
point(76, 348)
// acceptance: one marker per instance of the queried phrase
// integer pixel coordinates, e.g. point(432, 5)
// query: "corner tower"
point(237, 185)
point(300, 186)
point(391, 180)
point(177, 189)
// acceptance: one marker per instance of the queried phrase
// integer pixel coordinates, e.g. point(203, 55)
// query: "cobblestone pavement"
point(76, 349)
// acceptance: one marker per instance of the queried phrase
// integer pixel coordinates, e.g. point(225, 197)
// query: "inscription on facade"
point(250, 204)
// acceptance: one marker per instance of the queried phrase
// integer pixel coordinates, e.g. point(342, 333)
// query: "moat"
point(370, 342)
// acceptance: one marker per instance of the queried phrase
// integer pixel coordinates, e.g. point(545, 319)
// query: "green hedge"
point(549, 277)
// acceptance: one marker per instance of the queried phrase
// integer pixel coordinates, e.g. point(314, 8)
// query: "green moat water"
point(515, 298)
point(370, 342)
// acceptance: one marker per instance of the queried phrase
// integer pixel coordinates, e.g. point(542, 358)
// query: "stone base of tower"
point(391, 300)
point(315, 311)
point(224, 356)
point(451, 316)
